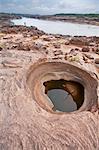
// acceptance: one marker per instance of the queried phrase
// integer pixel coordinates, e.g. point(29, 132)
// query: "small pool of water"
point(66, 96)
point(62, 100)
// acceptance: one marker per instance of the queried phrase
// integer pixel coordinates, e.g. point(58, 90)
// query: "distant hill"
point(78, 15)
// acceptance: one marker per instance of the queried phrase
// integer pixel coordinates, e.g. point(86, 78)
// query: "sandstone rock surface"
point(25, 123)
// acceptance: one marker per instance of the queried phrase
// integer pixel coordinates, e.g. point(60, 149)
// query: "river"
point(58, 27)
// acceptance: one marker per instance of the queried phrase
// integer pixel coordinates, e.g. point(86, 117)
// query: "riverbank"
point(5, 19)
point(91, 19)
point(87, 44)
point(29, 58)
point(80, 49)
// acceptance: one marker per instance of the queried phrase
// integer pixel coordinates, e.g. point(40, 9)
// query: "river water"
point(58, 27)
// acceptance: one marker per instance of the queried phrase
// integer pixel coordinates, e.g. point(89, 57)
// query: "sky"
point(47, 7)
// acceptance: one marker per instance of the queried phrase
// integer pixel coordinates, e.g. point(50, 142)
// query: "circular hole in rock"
point(66, 96)
point(44, 72)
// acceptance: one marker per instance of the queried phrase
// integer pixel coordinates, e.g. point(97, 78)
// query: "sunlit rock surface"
point(27, 120)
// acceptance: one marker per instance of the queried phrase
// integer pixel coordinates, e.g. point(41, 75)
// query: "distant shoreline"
point(91, 19)
point(81, 19)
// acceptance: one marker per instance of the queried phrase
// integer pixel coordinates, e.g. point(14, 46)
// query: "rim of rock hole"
point(55, 70)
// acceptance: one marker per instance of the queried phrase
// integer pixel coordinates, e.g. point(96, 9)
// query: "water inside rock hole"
point(62, 100)
point(66, 99)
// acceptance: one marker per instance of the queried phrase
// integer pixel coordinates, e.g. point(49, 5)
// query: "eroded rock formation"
point(27, 120)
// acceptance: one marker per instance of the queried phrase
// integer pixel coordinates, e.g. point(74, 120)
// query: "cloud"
point(78, 6)
point(49, 6)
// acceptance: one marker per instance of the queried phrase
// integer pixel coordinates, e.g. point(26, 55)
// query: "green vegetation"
point(79, 15)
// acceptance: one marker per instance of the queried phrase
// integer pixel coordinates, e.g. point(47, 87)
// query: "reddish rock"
point(89, 56)
point(97, 60)
point(95, 50)
point(57, 45)
point(66, 42)
point(22, 29)
point(47, 39)
point(85, 49)
point(80, 41)
point(1, 48)
point(72, 51)
point(77, 49)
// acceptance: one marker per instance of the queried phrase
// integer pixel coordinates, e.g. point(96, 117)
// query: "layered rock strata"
point(27, 120)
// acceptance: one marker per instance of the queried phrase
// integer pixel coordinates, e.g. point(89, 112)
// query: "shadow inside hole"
point(66, 96)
